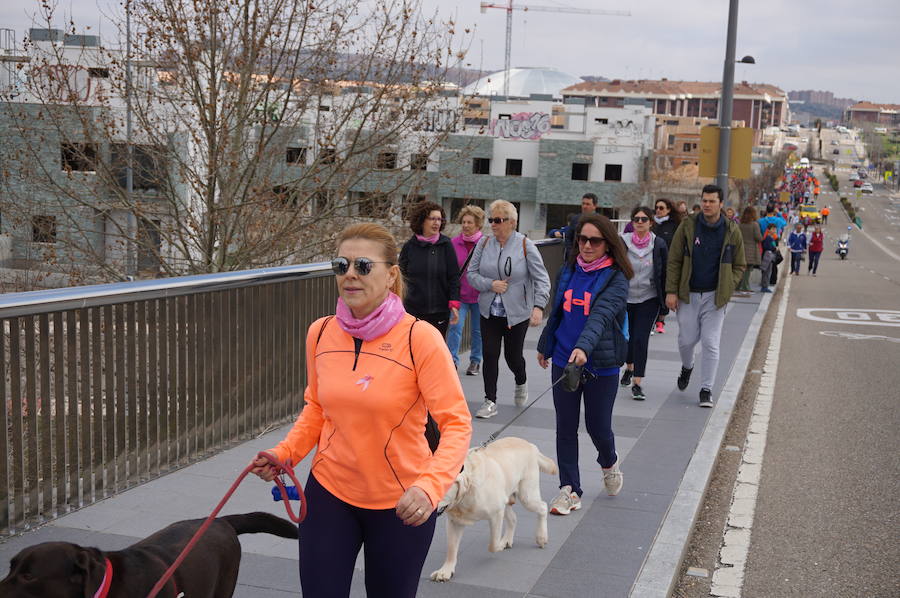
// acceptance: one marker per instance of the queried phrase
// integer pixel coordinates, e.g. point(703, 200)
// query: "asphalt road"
point(828, 512)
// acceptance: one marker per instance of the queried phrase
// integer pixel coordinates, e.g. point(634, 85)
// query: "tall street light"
point(727, 99)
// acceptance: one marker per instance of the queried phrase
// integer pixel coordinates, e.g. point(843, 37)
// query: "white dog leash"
point(496, 434)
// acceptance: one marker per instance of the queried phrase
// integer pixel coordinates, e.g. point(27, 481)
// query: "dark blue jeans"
point(795, 262)
point(599, 397)
point(332, 534)
point(814, 261)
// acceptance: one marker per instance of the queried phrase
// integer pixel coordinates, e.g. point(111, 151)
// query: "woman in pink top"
point(472, 220)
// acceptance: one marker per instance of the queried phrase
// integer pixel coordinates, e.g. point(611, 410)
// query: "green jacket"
point(731, 264)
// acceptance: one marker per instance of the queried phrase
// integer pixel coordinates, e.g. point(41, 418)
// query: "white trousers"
point(700, 321)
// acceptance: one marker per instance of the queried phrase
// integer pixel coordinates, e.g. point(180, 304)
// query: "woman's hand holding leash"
point(264, 468)
point(578, 356)
point(414, 507)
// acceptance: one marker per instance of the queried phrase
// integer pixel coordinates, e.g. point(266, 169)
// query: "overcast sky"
point(849, 47)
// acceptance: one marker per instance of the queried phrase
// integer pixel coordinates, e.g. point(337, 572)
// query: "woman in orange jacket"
point(374, 374)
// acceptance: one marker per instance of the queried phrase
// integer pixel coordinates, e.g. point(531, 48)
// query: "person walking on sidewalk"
point(825, 212)
point(430, 272)
point(587, 326)
point(706, 261)
point(665, 222)
point(797, 245)
point(816, 246)
point(769, 257)
point(646, 295)
point(513, 287)
point(472, 219)
point(752, 238)
point(374, 373)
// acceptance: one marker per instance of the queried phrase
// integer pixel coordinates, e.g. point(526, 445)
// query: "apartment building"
point(869, 112)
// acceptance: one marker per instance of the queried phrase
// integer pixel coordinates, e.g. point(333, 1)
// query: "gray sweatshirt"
point(641, 287)
point(529, 283)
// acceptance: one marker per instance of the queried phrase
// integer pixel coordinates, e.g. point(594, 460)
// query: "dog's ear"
point(88, 568)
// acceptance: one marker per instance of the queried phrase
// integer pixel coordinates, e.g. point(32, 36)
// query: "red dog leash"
point(280, 468)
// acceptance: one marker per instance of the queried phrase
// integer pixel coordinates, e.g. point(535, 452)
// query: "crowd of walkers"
point(388, 360)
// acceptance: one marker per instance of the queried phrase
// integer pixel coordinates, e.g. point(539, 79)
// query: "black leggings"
point(439, 321)
point(330, 539)
point(640, 321)
point(494, 331)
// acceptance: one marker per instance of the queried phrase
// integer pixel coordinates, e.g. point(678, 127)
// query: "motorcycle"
point(843, 247)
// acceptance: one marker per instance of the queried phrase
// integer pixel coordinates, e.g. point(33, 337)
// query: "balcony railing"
point(109, 386)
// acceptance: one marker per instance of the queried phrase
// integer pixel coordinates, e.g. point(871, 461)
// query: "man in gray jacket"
point(508, 272)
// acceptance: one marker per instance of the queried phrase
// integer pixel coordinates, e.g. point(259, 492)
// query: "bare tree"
point(234, 134)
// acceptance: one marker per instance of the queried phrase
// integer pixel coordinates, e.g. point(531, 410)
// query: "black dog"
point(64, 570)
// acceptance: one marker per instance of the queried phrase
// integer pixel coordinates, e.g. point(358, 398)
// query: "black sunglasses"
point(594, 241)
point(661, 206)
point(497, 220)
point(363, 265)
point(641, 219)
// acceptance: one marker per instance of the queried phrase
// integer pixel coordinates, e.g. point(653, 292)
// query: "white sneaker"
point(565, 502)
point(487, 409)
point(521, 395)
point(613, 479)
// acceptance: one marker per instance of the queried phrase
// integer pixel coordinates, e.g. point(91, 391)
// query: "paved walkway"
point(667, 446)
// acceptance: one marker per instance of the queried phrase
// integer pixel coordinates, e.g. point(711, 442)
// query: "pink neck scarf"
point(472, 238)
point(433, 239)
point(376, 324)
point(597, 264)
point(639, 242)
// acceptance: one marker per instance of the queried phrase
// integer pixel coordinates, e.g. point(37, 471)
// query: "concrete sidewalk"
point(630, 544)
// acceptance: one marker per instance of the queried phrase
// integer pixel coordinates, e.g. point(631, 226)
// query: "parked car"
point(866, 188)
point(854, 176)
point(835, 151)
point(834, 142)
point(858, 183)
point(862, 173)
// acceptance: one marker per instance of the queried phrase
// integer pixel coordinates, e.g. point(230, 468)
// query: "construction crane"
point(509, 8)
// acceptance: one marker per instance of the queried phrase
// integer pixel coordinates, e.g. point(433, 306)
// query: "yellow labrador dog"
point(493, 478)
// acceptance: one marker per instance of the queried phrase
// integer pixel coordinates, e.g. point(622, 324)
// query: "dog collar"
point(103, 590)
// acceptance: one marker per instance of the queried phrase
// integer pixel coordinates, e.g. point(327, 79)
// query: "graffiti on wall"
point(522, 125)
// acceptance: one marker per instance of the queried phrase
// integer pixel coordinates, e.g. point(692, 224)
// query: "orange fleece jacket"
point(366, 414)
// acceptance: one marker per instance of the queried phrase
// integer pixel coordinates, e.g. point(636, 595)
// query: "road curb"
point(661, 568)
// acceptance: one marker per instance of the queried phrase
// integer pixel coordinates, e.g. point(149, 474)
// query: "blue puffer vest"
point(604, 337)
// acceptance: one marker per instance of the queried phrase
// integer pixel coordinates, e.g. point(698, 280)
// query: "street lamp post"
point(727, 98)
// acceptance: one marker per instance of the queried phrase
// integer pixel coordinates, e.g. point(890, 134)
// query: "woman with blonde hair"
point(513, 287)
point(472, 220)
point(372, 367)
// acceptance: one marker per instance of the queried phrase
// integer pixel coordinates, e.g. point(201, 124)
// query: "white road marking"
point(850, 315)
point(859, 337)
point(728, 578)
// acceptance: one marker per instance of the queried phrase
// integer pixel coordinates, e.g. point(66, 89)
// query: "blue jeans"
point(599, 397)
point(454, 334)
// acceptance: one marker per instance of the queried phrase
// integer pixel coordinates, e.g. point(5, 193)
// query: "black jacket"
point(431, 274)
point(666, 230)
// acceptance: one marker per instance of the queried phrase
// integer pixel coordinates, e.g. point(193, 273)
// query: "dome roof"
point(523, 81)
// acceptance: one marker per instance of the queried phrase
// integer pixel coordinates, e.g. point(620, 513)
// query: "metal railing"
point(106, 387)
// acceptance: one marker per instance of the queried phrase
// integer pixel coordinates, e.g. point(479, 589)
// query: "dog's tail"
point(261, 523)
point(546, 464)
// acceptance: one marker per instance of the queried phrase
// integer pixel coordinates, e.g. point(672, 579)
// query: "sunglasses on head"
point(497, 220)
point(641, 219)
point(363, 265)
point(594, 241)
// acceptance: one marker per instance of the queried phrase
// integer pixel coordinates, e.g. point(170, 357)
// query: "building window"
point(98, 73)
point(322, 200)
point(613, 172)
point(513, 167)
point(386, 161)
point(295, 155)
point(693, 146)
point(79, 157)
point(601, 121)
point(374, 205)
point(671, 141)
point(148, 171)
point(418, 162)
point(287, 195)
point(580, 171)
point(324, 108)
point(672, 123)
point(481, 166)
point(506, 117)
point(43, 229)
point(328, 155)
point(687, 147)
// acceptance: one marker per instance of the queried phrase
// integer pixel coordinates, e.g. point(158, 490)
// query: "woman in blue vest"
point(587, 326)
